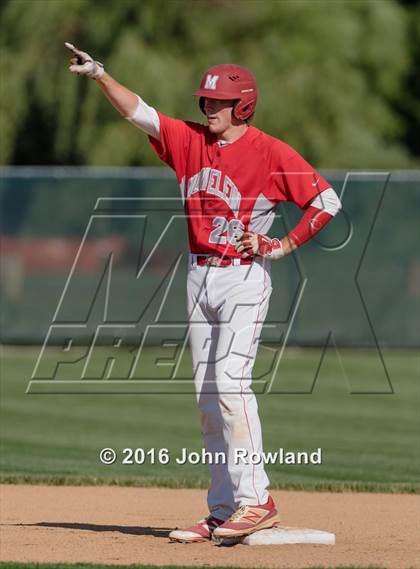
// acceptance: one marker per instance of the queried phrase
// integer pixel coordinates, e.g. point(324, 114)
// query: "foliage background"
point(337, 77)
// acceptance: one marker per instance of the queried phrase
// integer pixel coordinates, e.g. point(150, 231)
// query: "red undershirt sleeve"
point(312, 221)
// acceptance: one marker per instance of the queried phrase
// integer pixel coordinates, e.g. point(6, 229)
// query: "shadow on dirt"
point(133, 530)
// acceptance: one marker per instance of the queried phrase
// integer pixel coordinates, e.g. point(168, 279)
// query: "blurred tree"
point(335, 76)
point(408, 104)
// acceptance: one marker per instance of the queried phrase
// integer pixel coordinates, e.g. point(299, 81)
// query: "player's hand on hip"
point(83, 64)
point(251, 243)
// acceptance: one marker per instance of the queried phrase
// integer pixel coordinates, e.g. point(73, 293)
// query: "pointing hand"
point(83, 64)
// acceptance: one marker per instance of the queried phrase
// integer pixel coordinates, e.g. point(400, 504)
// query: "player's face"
point(219, 114)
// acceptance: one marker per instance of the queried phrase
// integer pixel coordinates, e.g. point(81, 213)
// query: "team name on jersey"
point(214, 182)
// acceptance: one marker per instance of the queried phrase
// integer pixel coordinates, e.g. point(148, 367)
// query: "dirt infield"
point(114, 525)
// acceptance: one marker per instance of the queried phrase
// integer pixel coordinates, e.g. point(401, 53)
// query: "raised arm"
point(127, 103)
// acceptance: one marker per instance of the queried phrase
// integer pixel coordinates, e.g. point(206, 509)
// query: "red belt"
point(218, 261)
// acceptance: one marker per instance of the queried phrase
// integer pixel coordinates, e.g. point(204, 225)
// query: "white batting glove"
point(83, 64)
point(251, 243)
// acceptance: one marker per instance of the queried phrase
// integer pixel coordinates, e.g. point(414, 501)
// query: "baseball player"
point(231, 175)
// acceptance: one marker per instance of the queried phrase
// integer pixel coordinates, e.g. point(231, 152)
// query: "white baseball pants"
point(227, 307)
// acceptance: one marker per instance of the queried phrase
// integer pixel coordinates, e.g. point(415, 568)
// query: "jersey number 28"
point(225, 231)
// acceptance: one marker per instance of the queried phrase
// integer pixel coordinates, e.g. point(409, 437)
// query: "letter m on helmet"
point(211, 82)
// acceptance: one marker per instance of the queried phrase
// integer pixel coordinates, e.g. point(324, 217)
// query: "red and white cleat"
point(247, 520)
point(202, 531)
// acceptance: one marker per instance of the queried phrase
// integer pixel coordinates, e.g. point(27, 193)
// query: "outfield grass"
point(369, 442)
point(7, 565)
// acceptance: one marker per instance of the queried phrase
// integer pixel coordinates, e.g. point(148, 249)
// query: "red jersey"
point(235, 187)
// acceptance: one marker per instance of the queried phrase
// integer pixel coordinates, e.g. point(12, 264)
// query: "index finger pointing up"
point(71, 47)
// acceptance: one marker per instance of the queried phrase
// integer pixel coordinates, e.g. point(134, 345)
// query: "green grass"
point(369, 441)
point(10, 565)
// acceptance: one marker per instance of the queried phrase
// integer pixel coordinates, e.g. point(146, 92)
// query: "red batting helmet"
point(229, 81)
